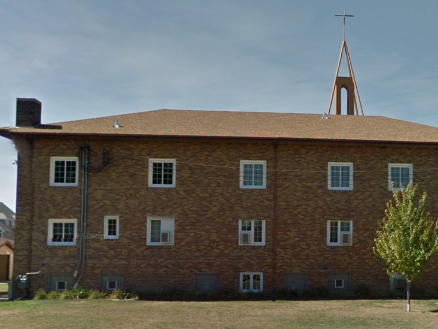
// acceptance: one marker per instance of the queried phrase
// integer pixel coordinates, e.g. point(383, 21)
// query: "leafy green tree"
point(408, 235)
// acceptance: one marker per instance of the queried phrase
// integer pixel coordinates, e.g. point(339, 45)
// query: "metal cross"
point(345, 15)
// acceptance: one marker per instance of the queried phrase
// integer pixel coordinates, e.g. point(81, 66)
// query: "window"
point(251, 232)
point(160, 231)
point(111, 227)
point(64, 171)
point(401, 174)
point(339, 283)
point(111, 285)
point(340, 176)
point(61, 285)
point(252, 174)
point(162, 172)
point(62, 232)
point(251, 282)
point(339, 233)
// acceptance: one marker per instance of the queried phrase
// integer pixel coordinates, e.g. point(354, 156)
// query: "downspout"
point(274, 223)
point(32, 204)
point(84, 205)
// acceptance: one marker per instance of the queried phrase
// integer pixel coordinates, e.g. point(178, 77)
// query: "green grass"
point(233, 314)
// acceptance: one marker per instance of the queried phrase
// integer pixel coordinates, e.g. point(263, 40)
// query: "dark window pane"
point(155, 230)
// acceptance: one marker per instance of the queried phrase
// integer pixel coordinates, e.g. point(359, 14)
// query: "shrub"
point(317, 292)
point(40, 294)
point(363, 291)
point(116, 294)
point(82, 294)
point(53, 294)
point(96, 294)
point(67, 294)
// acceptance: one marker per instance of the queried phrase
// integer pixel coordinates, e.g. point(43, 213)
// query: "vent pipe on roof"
point(116, 124)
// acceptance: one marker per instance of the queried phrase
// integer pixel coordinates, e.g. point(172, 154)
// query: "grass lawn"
point(232, 314)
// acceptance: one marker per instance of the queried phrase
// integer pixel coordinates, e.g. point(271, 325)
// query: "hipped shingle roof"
point(223, 124)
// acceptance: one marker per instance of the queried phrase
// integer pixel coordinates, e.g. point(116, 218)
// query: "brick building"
point(208, 200)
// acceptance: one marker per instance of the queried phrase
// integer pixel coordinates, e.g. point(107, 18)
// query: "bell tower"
point(347, 83)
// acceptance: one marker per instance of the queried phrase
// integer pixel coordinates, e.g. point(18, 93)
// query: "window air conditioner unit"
point(345, 238)
point(165, 237)
point(246, 238)
point(400, 283)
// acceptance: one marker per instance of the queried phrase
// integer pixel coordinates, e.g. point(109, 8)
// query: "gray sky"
point(91, 58)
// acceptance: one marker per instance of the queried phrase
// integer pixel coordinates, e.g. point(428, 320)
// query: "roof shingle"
point(223, 124)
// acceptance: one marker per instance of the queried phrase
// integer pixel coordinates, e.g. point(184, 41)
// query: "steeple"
point(348, 83)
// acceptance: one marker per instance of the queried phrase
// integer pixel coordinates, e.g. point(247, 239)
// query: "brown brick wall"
point(207, 204)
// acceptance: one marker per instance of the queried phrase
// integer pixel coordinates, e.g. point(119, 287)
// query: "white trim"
point(251, 289)
point(410, 166)
point(252, 234)
point(151, 172)
point(52, 171)
point(170, 228)
point(329, 176)
point(244, 162)
point(105, 227)
point(339, 242)
point(50, 232)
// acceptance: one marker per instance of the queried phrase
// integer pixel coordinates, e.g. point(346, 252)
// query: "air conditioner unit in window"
point(165, 237)
point(346, 238)
point(399, 283)
point(246, 238)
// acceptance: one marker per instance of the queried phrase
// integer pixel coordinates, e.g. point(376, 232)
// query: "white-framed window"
point(61, 285)
point(64, 171)
point(339, 283)
point(62, 232)
point(162, 173)
point(111, 227)
point(251, 281)
point(253, 174)
point(340, 176)
point(111, 285)
point(160, 231)
point(401, 174)
point(339, 233)
point(251, 232)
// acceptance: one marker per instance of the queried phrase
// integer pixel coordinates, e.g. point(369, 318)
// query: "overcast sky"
point(91, 58)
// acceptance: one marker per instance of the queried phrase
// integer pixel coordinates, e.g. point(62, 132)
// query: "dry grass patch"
point(233, 314)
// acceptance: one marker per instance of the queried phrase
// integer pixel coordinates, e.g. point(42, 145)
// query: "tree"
point(408, 235)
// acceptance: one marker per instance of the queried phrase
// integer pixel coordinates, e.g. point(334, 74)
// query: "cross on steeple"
point(347, 83)
point(345, 15)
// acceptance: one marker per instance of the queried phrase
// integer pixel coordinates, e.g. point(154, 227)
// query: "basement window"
point(339, 284)
point(61, 285)
point(111, 285)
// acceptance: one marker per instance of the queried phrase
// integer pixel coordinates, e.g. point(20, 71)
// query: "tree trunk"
point(408, 294)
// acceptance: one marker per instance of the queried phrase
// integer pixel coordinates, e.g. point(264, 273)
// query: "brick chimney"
point(28, 112)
